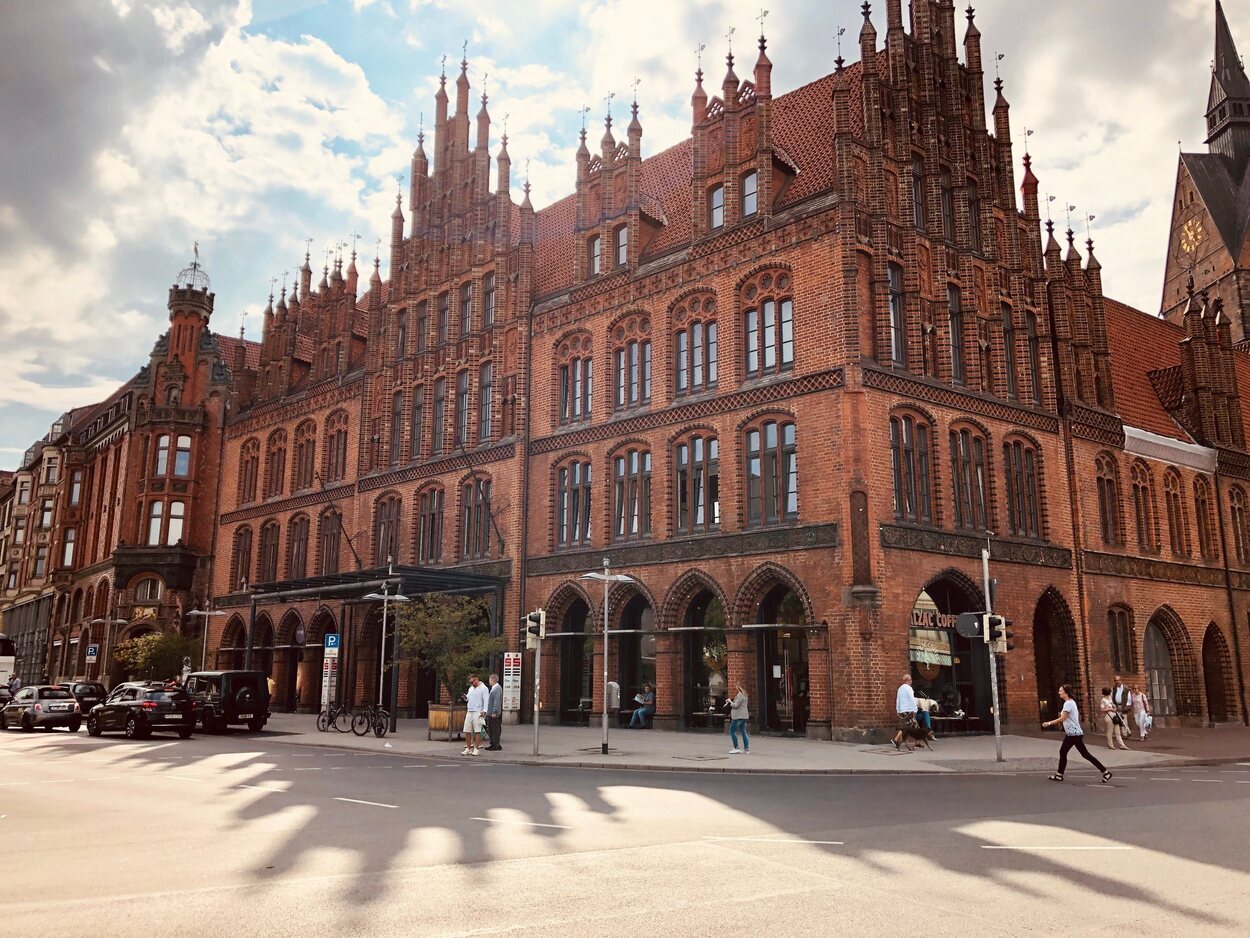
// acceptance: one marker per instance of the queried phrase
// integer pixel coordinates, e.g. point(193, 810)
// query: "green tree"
point(451, 635)
point(155, 655)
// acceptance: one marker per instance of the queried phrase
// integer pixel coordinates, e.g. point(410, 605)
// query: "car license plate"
point(245, 716)
point(173, 716)
point(59, 707)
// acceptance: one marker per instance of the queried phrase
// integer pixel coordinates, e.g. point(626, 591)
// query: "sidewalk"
point(579, 747)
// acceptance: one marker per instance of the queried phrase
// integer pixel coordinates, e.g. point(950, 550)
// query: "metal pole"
point(204, 647)
point(251, 635)
point(998, 729)
point(394, 723)
point(607, 584)
point(382, 647)
point(538, 672)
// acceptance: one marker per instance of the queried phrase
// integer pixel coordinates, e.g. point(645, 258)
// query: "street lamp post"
point(608, 578)
point(108, 622)
point(387, 598)
point(205, 613)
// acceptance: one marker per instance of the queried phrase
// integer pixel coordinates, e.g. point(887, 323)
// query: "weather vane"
point(584, 111)
point(729, 38)
point(637, 81)
point(464, 52)
point(698, 52)
point(763, 14)
point(841, 30)
point(998, 57)
point(1088, 219)
point(1049, 198)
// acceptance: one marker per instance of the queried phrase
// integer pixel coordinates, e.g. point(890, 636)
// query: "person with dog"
point(905, 707)
point(1073, 735)
point(1141, 712)
point(1112, 719)
point(738, 716)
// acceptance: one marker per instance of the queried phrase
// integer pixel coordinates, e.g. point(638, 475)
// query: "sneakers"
point(475, 751)
point(465, 751)
point(735, 752)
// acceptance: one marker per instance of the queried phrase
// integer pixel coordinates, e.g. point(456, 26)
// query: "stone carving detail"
point(897, 383)
point(931, 541)
point(698, 410)
point(1146, 568)
point(1096, 425)
point(1233, 463)
point(767, 540)
point(477, 457)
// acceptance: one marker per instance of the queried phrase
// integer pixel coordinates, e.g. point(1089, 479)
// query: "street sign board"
point(93, 654)
point(329, 680)
point(969, 624)
point(332, 645)
point(512, 680)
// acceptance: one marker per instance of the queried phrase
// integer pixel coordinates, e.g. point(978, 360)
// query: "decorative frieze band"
point(320, 497)
point(930, 541)
point(898, 383)
point(1148, 568)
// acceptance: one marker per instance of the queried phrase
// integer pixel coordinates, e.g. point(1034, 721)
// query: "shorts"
point(906, 719)
point(473, 722)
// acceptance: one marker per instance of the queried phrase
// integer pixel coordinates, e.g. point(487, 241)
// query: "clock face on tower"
point(1191, 236)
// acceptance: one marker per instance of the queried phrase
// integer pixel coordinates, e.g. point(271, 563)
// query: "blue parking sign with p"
point(332, 645)
point(93, 653)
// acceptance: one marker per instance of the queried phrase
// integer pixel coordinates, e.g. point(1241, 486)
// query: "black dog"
point(915, 734)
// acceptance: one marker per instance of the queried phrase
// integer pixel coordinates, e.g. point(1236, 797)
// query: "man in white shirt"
point(478, 701)
point(905, 707)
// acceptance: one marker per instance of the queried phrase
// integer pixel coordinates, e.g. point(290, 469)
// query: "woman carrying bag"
point(1112, 719)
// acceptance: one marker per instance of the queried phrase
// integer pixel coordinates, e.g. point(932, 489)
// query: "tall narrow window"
point(769, 331)
point(466, 309)
point(573, 504)
point(444, 314)
point(488, 301)
point(1021, 470)
point(162, 456)
point(576, 375)
point(697, 465)
point(177, 516)
point(974, 216)
point(67, 552)
point(954, 306)
point(1108, 499)
point(182, 456)
point(241, 566)
point(397, 426)
point(948, 206)
point(1204, 518)
point(1174, 503)
point(305, 456)
point(417, 424)
point(440, 415)
point(968, 478)
point(772, 474)
point(898, 316)
point(1144, 508)
point(1009, 349)
point(275, 463)
point(45, 514)
point(750, 194)
point(1237, 515)
point(75, 488)
point(594, 255)
point(297, 544)
point(633, 374)
point(462, 408)
point(430, 526)
point(423, 324)
point(329, 527)
point(695, 356)
point(917, 193)
point(267, 570)
point(336, 447)
point(156, 512)
point(909, 460)
point(475, 538)
point(386, 522)
point(41, 561)
point(716, 207)
point(1120, 638)
point(632, 494)
point(1035, 355)
point(401, 334)
point(622, 245)
point(485, 402)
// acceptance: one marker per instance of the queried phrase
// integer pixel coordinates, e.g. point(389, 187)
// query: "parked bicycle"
point(371, 718)
point(337, 715)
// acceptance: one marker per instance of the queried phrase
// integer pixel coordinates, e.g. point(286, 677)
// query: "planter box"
point(447, 720)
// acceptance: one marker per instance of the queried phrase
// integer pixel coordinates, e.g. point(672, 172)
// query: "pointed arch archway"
point(693, 616)
point(570, 657)
point(1171, 671)
point(1217, 676)
point(1055, 658)
point(945, 667)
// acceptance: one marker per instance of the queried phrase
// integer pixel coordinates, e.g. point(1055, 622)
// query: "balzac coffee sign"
point(932, 619)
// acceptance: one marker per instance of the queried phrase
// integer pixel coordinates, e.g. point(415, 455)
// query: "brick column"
point(669, 688)
point(742, 670)
point(819, 693)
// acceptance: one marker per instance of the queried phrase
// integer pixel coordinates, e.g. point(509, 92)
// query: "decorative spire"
point(698, 100)
point(972, 27)
point(525, 202)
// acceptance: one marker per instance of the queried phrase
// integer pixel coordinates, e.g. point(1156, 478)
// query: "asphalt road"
point(246, 835)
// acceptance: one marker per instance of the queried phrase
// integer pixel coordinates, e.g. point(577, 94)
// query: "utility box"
point(614, 696)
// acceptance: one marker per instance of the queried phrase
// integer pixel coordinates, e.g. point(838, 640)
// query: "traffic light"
point(1000, 628)
point(535, 628)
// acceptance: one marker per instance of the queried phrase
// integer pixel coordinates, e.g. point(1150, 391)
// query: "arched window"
point(716, 207)
point(386, 520)
point(1022, 469)
point(305, 456)
point(772, 468)
point(1120, 638)
point(297, 548)
point(750, 194)
point(241, 559)
point(182, 456)
point(955, 324)
point(462, 408)
point(430, 526)
point(1174, 502)
point(632, 356)
point(149, 590)
point(417, 422)
point(475, 535)
point(336, 447)
point(1237, 515)
point(485, 402)
point(1144, 507)
point(329, 527)
point(438, 429)
point(910, 442)
point(1108, 498)
point(572, 499)
point(401, 334)
point(267, 571)
point(275, 463)
point(177, 517)
point(768, 324)
point(575, 373)
point(631, 494)
point(969, 477)
point(1204, 518)
point(695, 344)
point(898, 316)
point(162, 456)
point(696, 462)
point(249, 470)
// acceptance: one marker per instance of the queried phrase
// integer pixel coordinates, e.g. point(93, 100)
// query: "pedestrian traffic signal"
point(535, 628)
point(1000, 634)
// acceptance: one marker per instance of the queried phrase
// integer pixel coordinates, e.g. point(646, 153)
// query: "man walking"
point(475, 716)
point(905, 707)
point(494, 713)
point(1122, 697)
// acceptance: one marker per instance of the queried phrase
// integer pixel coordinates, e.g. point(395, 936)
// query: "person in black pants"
point(1073, 735)
point(494, 713)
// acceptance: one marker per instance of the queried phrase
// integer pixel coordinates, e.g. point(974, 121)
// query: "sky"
point(135, 128)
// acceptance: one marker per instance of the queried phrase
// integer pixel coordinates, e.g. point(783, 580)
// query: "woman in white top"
point(1141, 712)
point(1112, 720)
point(1073, 735)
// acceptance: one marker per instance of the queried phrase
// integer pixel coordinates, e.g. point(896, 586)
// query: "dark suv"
point(227, 698)
point(87, 693)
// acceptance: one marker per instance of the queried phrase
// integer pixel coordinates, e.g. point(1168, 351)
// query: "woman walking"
point(1073, 735)
point(1141, 712)
point(1112, 719)
point(738, 716)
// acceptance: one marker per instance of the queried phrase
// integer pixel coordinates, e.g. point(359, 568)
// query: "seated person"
point(645, 708)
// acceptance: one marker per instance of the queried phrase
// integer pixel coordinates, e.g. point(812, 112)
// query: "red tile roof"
point(229, 346)
point(1129, 333)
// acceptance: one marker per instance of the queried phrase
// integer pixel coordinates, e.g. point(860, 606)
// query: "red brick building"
point(786, 375)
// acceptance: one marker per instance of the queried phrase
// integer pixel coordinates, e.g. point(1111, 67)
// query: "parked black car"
point(227, 698)
point(138, 710)
point(43, 705)
point(87, 693)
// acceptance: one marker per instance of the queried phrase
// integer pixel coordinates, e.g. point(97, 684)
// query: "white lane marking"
point(1049, 848)
point(51, 781)
point(312, 769)
point(446, 765)
point(102, 778)
point(280, 791)
point(414, 765)
point(770, 840)
point(1218, 781)
point(1158, 779)
point(376, 804)
point(184, 778)
point(1243, 781)
point(499, 820)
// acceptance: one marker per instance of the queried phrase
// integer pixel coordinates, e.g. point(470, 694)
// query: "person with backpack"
point(1073, 735)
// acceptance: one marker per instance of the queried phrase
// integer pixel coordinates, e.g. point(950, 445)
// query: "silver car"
point(42, 705)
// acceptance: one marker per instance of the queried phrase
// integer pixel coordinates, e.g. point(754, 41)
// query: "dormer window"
point(622, 245)
point(716, 207)
point(594, 255)
point(750, 194)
